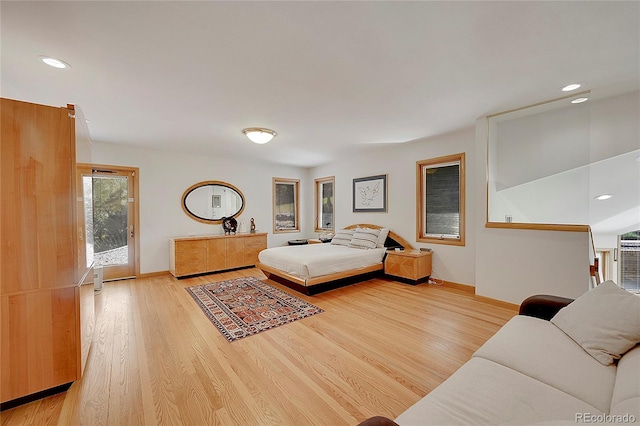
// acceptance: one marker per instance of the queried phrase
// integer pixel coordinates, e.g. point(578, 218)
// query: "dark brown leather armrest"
point(378, 421)
point(543, 306)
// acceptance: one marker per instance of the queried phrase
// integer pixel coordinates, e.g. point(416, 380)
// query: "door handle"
point(131, 231)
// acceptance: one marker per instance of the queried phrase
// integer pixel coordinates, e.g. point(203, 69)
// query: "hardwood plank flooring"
point(155, 358)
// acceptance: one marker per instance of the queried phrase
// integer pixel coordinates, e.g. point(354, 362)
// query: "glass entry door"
point(114, 230)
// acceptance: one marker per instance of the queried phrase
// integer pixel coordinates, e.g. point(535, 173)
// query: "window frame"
point(421, 235)
point(296, 185)
point(318, 204)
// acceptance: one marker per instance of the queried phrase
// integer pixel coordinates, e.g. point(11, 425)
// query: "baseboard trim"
point(464, 287)
point(496, 302)
point(153, 274)
point(472, 291)
point(34, 396)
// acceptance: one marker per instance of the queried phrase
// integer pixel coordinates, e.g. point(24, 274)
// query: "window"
point(285, 205)
point(440, 184)
point(629, 261)
point(324, 204)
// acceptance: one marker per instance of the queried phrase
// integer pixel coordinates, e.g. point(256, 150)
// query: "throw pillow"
point(384, 233)
point(343, 237)
point(604, 321)
point(365, 238)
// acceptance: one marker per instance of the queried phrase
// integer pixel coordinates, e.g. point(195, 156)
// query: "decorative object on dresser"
point(370, 194)
point(229, 225)
point(212, 201)
point(246, 306)
point(212, 253)
point(46, 290)
point(253, 226)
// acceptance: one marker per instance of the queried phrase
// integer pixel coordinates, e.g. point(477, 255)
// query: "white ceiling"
point(329, 77)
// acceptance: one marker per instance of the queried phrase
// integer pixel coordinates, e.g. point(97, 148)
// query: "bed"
point(352, 256)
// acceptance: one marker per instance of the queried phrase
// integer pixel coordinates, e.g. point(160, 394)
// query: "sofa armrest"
point(543, 306)
point(378, 421)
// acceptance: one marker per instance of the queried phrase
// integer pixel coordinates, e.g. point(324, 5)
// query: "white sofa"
point(532, 372)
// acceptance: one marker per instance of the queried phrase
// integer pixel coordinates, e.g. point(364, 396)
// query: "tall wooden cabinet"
point(46, 313)
point(211, 253)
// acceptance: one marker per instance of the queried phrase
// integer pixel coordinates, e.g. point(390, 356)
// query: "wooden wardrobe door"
point(39, 331)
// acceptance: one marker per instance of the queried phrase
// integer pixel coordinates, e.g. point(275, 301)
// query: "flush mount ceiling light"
point(579, 100)
point(259, 134)
point(570, 87)
point(56, 63)
point(603, 197)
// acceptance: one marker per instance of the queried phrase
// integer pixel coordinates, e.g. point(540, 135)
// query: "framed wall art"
point(370, 194)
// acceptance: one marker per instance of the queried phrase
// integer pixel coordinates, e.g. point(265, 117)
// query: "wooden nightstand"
point(412, 266)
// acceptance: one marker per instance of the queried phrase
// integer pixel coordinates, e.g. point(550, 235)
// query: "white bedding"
point(315, 260)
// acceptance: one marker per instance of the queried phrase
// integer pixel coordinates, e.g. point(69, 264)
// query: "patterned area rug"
point(246, 306)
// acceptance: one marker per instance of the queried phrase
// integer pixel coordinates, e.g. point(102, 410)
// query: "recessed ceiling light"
point(579, 100)
point(570, 87)
point(56, 63)
point(603, 197)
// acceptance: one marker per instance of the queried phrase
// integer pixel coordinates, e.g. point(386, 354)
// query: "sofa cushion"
point(604, 321)
point(629, 408)
point(626, 391)
point(538, 349)
point(487, 393)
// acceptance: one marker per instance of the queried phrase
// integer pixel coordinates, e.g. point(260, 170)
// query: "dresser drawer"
point(203, 254)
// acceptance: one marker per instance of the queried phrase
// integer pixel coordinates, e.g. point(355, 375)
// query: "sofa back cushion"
point(538, 349)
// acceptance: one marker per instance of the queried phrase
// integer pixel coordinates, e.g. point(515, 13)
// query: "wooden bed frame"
point(317, 285)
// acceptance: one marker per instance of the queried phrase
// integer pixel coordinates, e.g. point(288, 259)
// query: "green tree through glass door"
point(113, 225)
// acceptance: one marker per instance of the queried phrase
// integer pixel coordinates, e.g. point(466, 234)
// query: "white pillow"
point(343, 237)
point(365, 238)
point(384, 233)
point(604, 321)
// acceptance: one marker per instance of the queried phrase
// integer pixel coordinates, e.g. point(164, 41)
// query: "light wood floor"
point(156, 359)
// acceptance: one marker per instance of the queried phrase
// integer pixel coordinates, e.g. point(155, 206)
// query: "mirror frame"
point(207, 183)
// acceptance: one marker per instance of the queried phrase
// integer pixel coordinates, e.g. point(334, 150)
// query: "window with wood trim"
point(440, 200)
point(286, 205)
point(324, 190)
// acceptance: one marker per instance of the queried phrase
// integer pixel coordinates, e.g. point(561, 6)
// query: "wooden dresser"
point(212, 253)
point(46, 291)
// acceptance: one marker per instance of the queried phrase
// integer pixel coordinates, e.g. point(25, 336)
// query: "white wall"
point(513, 264)
point(503, 264)
point(551, 165)
point(451, 263)
point(163, 178)
point(550, 142)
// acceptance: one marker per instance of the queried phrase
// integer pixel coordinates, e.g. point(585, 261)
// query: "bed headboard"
point(392, 234)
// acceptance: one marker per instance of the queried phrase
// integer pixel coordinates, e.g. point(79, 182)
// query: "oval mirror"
point(210, 201)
